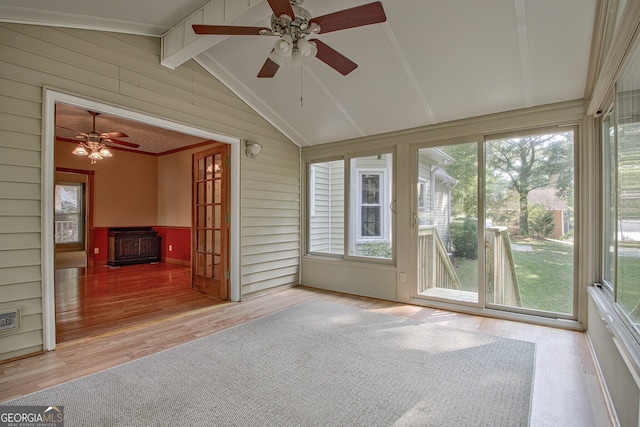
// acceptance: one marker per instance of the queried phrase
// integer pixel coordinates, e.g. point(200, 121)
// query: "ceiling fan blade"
point(72, 130)
point(226, 30)
point(358, 16)
point(333, 58)
point(269, 69)
point(282, 7)
point(111, 135)
point(125, 143)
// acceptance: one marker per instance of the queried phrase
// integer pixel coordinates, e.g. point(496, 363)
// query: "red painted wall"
point(178, 237)
point(101, 242)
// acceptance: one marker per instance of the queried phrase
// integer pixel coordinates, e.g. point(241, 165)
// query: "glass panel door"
point(211, 225)
point(446, 222)
point(529, 192)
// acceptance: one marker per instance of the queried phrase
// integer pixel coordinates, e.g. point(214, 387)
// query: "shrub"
point(541, 220)
point(464, 237)
point(375, 249)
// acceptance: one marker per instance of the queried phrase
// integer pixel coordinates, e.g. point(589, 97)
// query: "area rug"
point(315, 364)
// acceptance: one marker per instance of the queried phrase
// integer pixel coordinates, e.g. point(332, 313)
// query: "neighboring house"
point(559, 208)
point(434, 192)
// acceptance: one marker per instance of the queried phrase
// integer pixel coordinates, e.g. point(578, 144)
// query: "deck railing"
point(435, 269)
point(501, 279)
point(66, 231)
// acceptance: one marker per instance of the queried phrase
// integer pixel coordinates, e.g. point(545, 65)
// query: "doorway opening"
point(89, 282)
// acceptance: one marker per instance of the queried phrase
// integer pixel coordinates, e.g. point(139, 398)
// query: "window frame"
point(352, 186)
point(608, 169)
point(610, 283)
point(80, 215)
point(360, 204)
point(353, 220)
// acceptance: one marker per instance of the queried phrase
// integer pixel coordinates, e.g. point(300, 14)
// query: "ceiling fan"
point(94, 144)
point(294, 25)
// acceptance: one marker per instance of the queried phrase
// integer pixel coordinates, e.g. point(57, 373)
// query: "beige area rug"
point(315, 364)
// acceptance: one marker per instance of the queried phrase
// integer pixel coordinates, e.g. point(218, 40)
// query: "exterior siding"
point(326, 227)
point(125, 71)
point(270, 225)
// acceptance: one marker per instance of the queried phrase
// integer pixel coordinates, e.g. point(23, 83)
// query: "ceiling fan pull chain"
point(301, 67)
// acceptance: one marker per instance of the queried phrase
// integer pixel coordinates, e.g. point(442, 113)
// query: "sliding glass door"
point(507, 245)
point(446, 222)
point(529, 193)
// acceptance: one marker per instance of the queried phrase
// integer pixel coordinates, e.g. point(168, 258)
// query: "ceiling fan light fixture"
point(307, 49)
point(284, 46)
point(80, 151)
point(104, 152)
point(95, 156)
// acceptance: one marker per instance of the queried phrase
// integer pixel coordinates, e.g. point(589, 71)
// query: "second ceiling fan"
point(294, 25)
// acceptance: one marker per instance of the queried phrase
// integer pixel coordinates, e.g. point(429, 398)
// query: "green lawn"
point(628, 281)
point(544, 270)
point(545, 274)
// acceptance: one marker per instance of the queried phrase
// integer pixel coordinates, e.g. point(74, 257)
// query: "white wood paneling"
point(124, 71)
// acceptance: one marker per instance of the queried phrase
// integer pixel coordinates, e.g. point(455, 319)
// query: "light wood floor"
point(566, 389)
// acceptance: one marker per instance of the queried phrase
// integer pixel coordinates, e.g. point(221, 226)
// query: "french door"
point(210, 259)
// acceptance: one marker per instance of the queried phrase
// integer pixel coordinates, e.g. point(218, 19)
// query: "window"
point(422, 194)
point(367, 232)
point(68, 214)
point(370, 206)
point(621, 196)
point(312, 191)
point(609, 206)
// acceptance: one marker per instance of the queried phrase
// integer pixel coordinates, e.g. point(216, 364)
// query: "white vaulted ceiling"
point(431, 62)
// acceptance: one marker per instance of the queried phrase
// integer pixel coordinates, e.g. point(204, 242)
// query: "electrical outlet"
point(96, 250)
point(170, 248)
point(403, 277)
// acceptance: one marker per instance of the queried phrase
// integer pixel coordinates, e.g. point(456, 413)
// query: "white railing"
point(66, 231)
point(435, 269)
point(501, 280)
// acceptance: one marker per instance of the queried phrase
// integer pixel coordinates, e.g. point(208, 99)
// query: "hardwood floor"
point(96, 300)
point(566, 389)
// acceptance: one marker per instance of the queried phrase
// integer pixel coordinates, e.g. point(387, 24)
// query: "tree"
point(464, 169)
point(531, 162)
point(541, 220)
